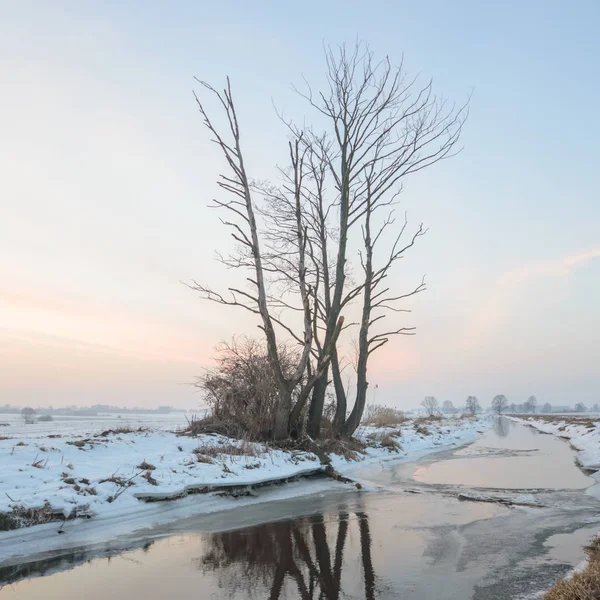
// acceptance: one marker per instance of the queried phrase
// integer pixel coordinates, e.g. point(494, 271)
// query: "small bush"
point(241, 391)
point(45, 418)
point(383, 416)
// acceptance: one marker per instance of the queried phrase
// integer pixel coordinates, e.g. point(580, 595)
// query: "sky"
point(106, 172)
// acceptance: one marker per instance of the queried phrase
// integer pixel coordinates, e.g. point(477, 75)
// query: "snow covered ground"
point(108, 476)
point(13, 424)
point(582, 433)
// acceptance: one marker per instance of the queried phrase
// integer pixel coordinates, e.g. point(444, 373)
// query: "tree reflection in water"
point(502, 426)
point(304, 557)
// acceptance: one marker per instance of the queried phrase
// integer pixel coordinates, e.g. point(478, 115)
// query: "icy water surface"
point(409, 539)
point(509, 456)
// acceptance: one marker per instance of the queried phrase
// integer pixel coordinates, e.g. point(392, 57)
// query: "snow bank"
point(112, 473)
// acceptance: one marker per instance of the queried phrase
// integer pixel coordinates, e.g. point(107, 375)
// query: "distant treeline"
point(91, 411)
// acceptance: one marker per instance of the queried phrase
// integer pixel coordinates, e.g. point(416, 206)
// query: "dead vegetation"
point(39, 463)
point(216, 450)
point(350, 448)
point(78, 443)
point(567, 420)
point(26, 517)
point(584, 585)
point(20, 516)
point(145, 466)
point(386, 439)
point(383, 416)
point(148, 477)
point(122, 430)
point(120, 481)
point(428, 419)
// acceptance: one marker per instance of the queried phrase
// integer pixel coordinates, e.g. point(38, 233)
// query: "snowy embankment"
point(582, 433)
point(109, 476)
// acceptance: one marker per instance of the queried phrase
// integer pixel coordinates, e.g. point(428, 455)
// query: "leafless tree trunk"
point(383, 127)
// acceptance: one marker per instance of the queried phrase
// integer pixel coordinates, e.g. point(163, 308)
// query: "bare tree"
point(431, 405)
point(448, 407)
point(580, 407)
point(245, 232)
point(499, 404)
point(472, 405)
point(28, 415)
point(530, 404)
point(383, 127)
point(380, 127)
point(547, 408)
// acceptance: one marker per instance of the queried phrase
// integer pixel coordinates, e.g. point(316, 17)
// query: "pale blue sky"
point(105, 173)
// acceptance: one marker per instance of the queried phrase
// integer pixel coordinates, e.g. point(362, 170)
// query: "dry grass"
point(21, 444)
point(386, 440)
point(210, 424)
point(118, 481)
point(145, 466)
point(221, 450)
point(122, 430)
point(349, 448)
point(585, 421)
point(383, 416)
point(202, 458)
point(39, 464)
point(428, 419)
point(148, 477)
point(77, 443)
point(584, 585)
point(25, 517)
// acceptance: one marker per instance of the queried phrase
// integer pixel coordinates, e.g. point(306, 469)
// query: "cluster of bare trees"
point(320, 245)
point(500, 404)
point(432, 406)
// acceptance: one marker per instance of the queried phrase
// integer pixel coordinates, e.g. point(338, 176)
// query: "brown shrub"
point(377, 415)
point(241, 390)
point(584, 585)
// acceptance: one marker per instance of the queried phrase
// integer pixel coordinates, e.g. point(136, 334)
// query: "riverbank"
point(58, 478)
